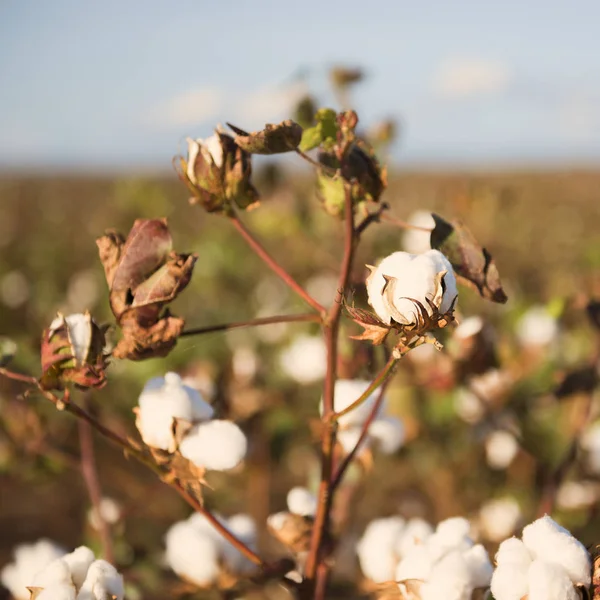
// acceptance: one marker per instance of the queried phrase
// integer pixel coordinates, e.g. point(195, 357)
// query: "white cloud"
point(189, 108)
point(470, 77)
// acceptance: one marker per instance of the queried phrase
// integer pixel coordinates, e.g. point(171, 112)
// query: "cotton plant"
point(108, 511)
point(547, 563)
point(410, 293)
point(78, 576)
point(28, 559)
point(197, 553)
point(537, 328)
point(172, 416)
point(501, 448)
point(425, 563)
point(386, 433)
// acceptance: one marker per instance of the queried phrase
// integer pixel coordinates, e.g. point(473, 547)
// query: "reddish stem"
point(273, 265)
point(315, 561)
point(253, 323)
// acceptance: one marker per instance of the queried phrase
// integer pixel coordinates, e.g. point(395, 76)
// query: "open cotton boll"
point(479, 566)
point(348, 438)
point(57, 592)
point(453, 533)
point(376, 548)
point(55, 573)
point(510, 581)
point(547, 540)
point(102, 582)
point(346, 391)
point(468, 406)
point(191, 554)
point(110, 512)
point(301, 502)
point(573, 495)
point(161, 401)
point(276, 521)
point(513, 551)
point(388, 432)
point(417, 240)
point(401, 278)
point(305, 360)
point(468, 328)
point(417, 564)
point(499, 518)
point(449, 578)
point(29, 559)
point(549, 582)
point(537, 327)
point(416, 532)
point(501, 447)
point(79, 562)
point(217, 445)
point(80, 332)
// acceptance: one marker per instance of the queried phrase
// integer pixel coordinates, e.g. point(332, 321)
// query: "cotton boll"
point(388, 432)
point(57, 592)
point(29, 559)
point(161, 401)
point(305, 360)
point(549, 582)
point(416, 241)
point(548, 541)
point(345, 393)
point(537, 327)
point(376, 548)
point(450, 534)
point(513, 551)
point(501, 447)
point(573, 495)
point(102, 582)
point(413, 277)
point(277, 521)
point(510, 581)
point(479, 565)
point(216, 445)
point(449, 579)
point(191, 554)
point(301, 502)
point(469, 327)
point(468, 406)
point(416, 532)
point(55, 573)
point(110, 512)
point(417, 564)
point(499, 518)
point(79, 562)
point(80, 331)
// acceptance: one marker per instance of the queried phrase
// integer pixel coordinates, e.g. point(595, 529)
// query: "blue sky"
point(120, 83)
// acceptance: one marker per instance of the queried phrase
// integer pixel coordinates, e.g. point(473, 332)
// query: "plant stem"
point(90, 476)
point(141, 456)
point(315, 163)
point(253, 323)
point(404, 224)
point(273, 265)
point(315, 564)
point(381, 377)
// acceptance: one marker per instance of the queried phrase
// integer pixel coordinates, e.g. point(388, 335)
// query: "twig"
point(374, 217)
point(253, 323)
point(379, 380)
point(90, 476)
point(273, 265)
point(404, 224)
point(141, 456)
point(331, 171)
point(331, 328)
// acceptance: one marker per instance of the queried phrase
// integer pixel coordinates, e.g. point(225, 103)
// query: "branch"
point(379, 380)
point(253, 323)
point(141, 456)
point(314, 566)
point(315, 163)
point(374, 217)
point(273, 265)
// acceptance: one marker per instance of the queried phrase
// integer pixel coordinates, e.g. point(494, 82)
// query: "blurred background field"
point(498, 127)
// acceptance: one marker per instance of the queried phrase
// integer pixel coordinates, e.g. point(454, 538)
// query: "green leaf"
point(324, 132)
